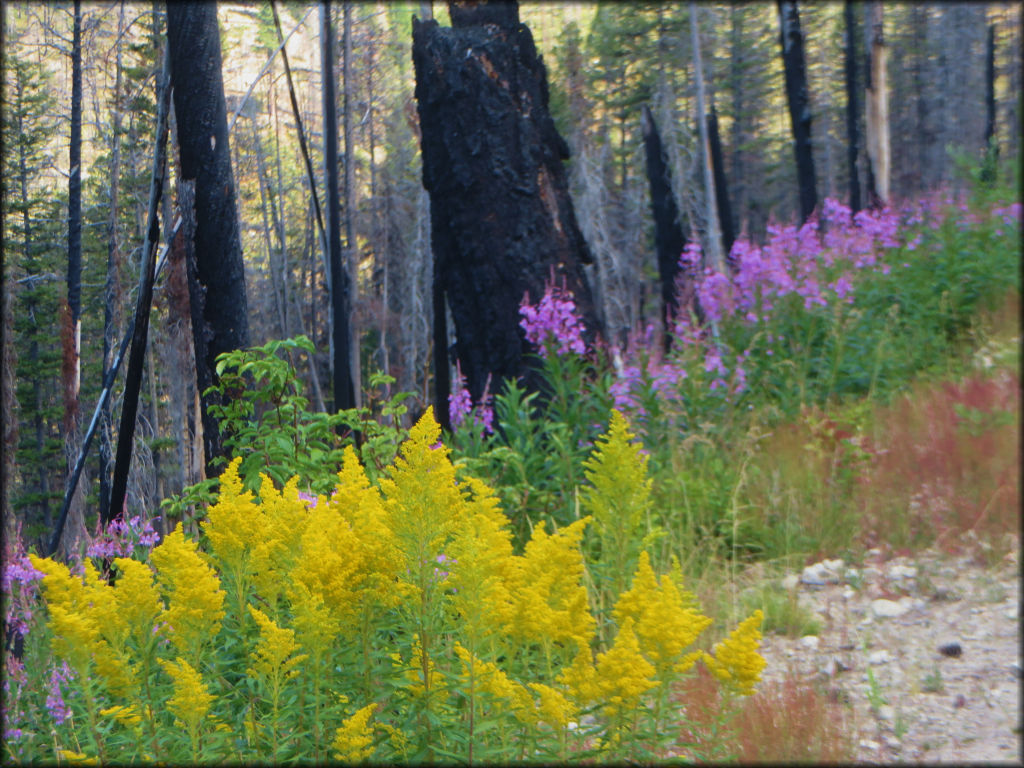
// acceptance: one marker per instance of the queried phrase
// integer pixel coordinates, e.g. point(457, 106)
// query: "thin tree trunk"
point(876, 108)
point(713, 235)
point(852, 115)
point(725, 217)
point(991, 144)
point(351, 247)
point(113, 288)
point(792, 41)
point(137, 354)
point(337, 275)
point(72, 329)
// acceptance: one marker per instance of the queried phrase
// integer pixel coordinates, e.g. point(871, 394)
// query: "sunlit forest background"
point(604, 60)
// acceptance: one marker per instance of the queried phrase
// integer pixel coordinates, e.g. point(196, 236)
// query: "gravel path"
point(926, 649)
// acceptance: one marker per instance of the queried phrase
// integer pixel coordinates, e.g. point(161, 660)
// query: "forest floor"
point(922, 653)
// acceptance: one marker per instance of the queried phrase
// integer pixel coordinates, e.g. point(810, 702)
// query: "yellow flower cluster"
point(736, 661)
point(623, 674)
point(195, 598)
point(191, 699)
point(488, 678)
point(548, 599)
point(353, 741)
point(273, 658)
point(664, 623)
point(620, 490)
point(91, 622)
point(124, 715)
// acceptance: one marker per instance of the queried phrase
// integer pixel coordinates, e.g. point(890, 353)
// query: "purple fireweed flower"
point(459, 401)
point(310, 500)
point(120, 538)
point(843, 288)
point(552, 318)
point(55, 703)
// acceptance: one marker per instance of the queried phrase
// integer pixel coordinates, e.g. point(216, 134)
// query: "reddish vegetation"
point(784, 722)
point(947, 464)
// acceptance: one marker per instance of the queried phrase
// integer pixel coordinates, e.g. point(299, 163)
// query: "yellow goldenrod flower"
point(193, 591)
point(489, 678)
point(315, 626)
point(273, 659)
point(580, 677)
point(422, 500)
point(332, 565)
point(353, 741)
point(617, 470)
point(477, 565)
point(125, 715)
point(77, 758)
point(663, 623)
point(549, 601)
point(191, 699)
point(138, 601)
point(554, 708)
point(623, 674)
point(235, 526)
point(736, 661)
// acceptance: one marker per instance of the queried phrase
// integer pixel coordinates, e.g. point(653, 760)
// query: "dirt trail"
point(883, 625)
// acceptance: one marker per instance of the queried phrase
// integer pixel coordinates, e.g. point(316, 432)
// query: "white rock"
point(790, 581)
point(825, 572)
point(848, 593)
point(897, 571)
point(1012, 612)
point(868, 744)
point(886, 712)
point(892, 742)
point(836, 566)
point(810, 642)
point(879, 657)
point(888, 609)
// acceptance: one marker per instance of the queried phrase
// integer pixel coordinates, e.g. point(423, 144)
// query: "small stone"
point(886, 712)
point(953, 650)
point(825, 572)
point(960, 701)
point(1012, 612)
point(897, 572)
point(888, 609)
point(810, 642)
point(892, 742)
point(849, 592)
point(879, 657)
point(790, 582)
point(1015, 669)
point(868, 744)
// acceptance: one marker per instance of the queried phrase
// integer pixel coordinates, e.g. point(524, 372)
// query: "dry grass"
point(946, 465)
point(784, 722)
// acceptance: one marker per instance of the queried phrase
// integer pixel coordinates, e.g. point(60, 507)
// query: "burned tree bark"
point(851, 105)
point(876, 106)
point(725, 221)
point(988, 173)
point(669, 239)
point(792, 40)
point(217, 292)
point(502, 219)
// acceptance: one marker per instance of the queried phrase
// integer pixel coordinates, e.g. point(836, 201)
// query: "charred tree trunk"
point(991, 144)
point(337, 275)
point(852, 115)
point(725, 219)
point(217, 292)
point(501, 216)
point(351, 257)
point(669, 238)
point(792, 41)
point(113, 289)
point(72, 322)
point(713, 233)
point(876, 106)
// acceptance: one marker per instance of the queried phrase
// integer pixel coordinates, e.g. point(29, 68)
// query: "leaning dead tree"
point(501, 216)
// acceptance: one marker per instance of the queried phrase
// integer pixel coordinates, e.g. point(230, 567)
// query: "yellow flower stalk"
point(191, 700)
point(623, 674)
point(128, 716)
point(353, 741)
point(580, 677)
point(662, 622)
point(235, 526)
point(195, 599)
point(549, 601)
point(490, 679)
point(285, 517)
point(422, 501)
point(138, 601)
point(479, 559)
point(617, 471)
point(736, 661)
point(554, 708)
point(273, 658)
point(76, 758)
